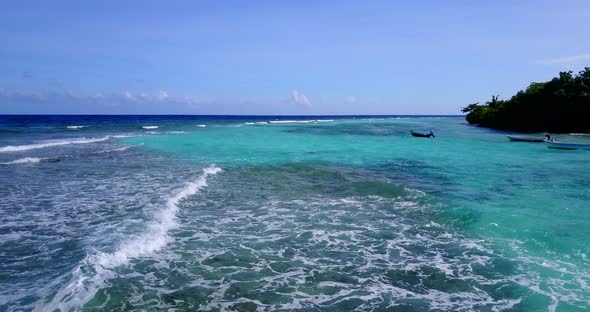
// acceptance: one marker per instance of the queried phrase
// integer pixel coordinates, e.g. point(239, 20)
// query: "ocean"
point(315, 213)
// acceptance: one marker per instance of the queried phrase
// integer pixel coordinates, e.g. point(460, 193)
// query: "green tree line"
point(559, 105)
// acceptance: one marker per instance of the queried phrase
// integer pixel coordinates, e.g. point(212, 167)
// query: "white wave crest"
point(26, 160)
point(75, 127)
point(122, 136)
point(83, 288)
point(150, 127)
point(300, 121)
point(290, 121)
point(20, 148)
point(201, 126)
point(118, 149)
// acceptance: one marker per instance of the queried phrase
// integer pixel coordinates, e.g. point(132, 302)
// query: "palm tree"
point(494, 102)
point(470, 107)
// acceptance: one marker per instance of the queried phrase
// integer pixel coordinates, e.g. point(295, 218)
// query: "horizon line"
point(244, 115)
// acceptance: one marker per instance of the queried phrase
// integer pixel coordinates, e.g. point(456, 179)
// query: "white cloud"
point(569, 61)
point(162, 95)
point(146, 97)
point(128, 96)
point(192, 100)
point(121, 102)
point(351, 99)
point(300, 98)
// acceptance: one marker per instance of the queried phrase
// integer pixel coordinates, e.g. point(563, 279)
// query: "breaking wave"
point(117, 149)
point(289, 122)
point(26, 160)
point(81, 288)
point(20, 148)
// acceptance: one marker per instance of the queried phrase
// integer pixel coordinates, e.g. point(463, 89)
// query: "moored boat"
point(422, 134)
point(525, 138)
point(565, 145)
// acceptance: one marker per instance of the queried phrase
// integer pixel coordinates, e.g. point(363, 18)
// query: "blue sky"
point(281, 57)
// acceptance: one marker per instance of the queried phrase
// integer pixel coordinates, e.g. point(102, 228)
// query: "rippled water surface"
point(276, 213)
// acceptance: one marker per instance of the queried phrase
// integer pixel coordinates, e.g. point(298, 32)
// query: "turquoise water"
point(333, 214)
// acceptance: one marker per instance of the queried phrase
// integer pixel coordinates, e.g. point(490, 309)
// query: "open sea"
point(226, 213)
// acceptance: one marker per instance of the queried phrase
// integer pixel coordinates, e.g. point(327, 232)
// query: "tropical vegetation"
point(559, 105)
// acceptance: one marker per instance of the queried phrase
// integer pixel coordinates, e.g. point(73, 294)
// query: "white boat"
point(525, 138)
point(567, 146)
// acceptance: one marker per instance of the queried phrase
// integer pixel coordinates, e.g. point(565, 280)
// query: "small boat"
point(422, 134)
point(524, 138)
point(565, 145)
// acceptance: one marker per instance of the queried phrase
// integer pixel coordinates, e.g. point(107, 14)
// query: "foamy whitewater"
point(25, 160)
point(322, 213)
point(82, 288)
point(26, 147)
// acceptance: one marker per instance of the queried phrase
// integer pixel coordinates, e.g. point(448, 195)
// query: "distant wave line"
point(20, 148)
point(25, 160)
point(289, 121)
point(45, 144)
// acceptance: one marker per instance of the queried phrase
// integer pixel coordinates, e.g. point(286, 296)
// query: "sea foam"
point(150, 127)
point(82, 288)
point(122, 136)
point(300, 121)
point(279, 122)
point(290, 121)
point(117, 149)
point(26, 160)
point(20, 148)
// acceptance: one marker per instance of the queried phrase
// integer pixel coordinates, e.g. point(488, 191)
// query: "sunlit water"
point(236, 213)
